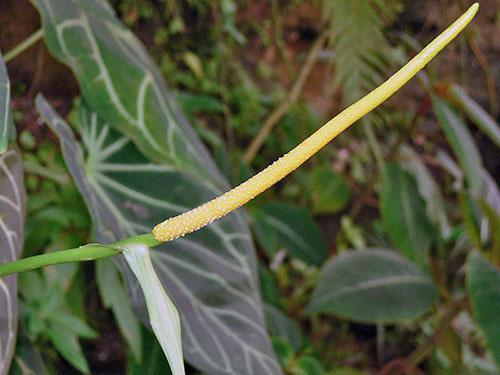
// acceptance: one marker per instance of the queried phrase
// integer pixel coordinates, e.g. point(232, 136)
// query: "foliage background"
point(234, 65)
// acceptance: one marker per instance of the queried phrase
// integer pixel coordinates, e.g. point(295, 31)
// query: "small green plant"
point(138, 162)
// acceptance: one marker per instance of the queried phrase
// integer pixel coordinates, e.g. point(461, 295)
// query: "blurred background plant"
point(373, 256)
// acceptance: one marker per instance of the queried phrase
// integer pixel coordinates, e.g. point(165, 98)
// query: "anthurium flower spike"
point(199, 217)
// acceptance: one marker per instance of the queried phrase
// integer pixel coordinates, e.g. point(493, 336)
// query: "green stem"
point(23, 46)
point(79, 254)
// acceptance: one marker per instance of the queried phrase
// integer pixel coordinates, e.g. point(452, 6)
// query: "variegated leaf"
point(120, 82)
point(12, 208)
point(210, 274)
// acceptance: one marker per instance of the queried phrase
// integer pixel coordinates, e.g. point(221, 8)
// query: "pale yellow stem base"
point(199, 217)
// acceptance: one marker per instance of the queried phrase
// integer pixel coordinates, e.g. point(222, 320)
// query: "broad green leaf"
point(461, 141)
point(114, 296)
point(374, 286)
point(163, 315)
point(284, 226)
point(12, 210)
point(477, 114)
point(120, 82)
point(329, 192)
point(210, 274)
point(404, 213)
point(483, 283)
point(429, 191)
point(6, 125)
point(280, 325)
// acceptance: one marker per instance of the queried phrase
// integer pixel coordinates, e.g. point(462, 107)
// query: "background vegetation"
point(410, 193)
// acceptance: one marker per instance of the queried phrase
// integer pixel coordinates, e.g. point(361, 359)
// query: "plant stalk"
point(23, 46)
point(79, 254)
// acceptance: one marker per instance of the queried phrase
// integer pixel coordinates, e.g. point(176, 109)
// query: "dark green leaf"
point(483, 282)
point(284, 226)
point(120, 82)
point(329, 192)
point(375, 286)
point(404, 213)
point(12, 210)
point(210, 274)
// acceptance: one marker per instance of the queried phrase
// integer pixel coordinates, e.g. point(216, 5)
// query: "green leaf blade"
point(462, 144)
point(483, 283)
point(283, 226)
point(12, 212)
point(374, 286)
point(120, 82)
point(280, 325)
point(330, 193)
point(404, 214)
point(66, 343)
